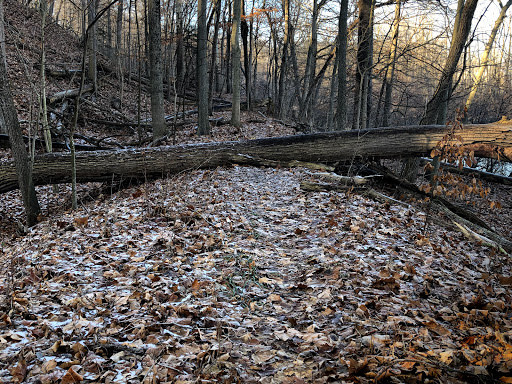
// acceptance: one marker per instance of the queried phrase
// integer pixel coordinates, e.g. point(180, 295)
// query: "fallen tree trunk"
point(481, 175)
point(4, 143)
point(321, 147)
point(69, 93)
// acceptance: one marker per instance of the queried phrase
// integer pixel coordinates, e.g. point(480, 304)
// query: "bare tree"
point(43, 8)
point(390, 70)
point(119, 36)
point(485, 55)
point(155, 73)
point(9, 123)
point(364, 41)
point(203, 126)
point(341, 57)
point(92, 70)
point(213, 66)
point(311, 59)
point(284, 59)
point(235, 51)
point(436, 107)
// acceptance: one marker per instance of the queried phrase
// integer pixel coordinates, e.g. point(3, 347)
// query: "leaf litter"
point(236, 275)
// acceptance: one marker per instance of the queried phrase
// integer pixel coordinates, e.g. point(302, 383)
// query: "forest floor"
point(236, 274)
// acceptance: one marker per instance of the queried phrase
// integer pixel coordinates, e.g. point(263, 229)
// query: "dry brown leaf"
point(19, 371)
point(71, 377)
point(195, 285)
point(355, 367)
point(81, 221)
point(49, 366)
point(434, 326)
point(274, 297)
point(446, 357)
point(407, 365)
point(263, 356)
point(326, 294)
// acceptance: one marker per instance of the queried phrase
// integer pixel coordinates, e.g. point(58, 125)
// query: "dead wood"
point(318, 187)
point(68, 93)
point(62, 72)
point(478, 174)
point(4, 143)
point(454, 212)
point(259, 162)
point(476, 232)
point(314, 148)
point(345, 180)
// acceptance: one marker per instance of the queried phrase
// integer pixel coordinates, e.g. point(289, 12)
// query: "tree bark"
point(390, 73)
point(203, 127)
point(180, 50)
point(364, 40)
point(493, 139)
point(213, 78)
point(235, 50)
point(284, 60)
point(244, 33)
point(341, 57)
point(43, 8)
point(92, 70)
point(21, 166)
point(119, 36)
point(155, 58)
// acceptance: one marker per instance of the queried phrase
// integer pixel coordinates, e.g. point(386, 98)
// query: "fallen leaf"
point(375, 340)
point(71, 377)
point(263, 356)
point(19, 371)
point(446, 357)
point(274, 298)
point(49, 366)
point(326, 294)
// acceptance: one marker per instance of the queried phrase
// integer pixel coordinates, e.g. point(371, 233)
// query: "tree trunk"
point(363, 63)
point(203, 127)
point(368, 92)
point(227, 61)
point(109, 34)
point(434, 112)
point(244, 32)
point(438, 104)
point(213, 78)
point(235, 50)
point(310, 70)
point(390, 73)
point(284, 60)
point(333, 89)
point(318, 147)
point(341, 57)
point(180, 55)
point(119, 35)
point(485, 56)
point(156, 80)
point(21, 167)
point(92, 70)
point(43, 7)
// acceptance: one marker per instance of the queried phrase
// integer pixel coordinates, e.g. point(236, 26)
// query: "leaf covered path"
point(236, 275)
